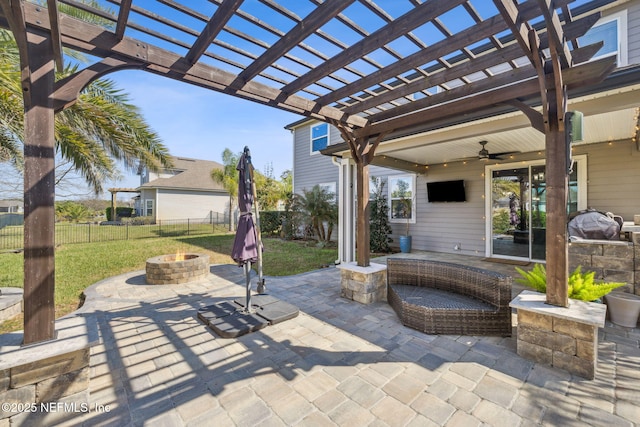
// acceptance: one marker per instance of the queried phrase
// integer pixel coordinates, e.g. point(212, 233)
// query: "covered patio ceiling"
point(609, 117)
point(372, 68)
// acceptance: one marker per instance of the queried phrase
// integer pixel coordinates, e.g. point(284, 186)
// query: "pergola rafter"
point(370, 68)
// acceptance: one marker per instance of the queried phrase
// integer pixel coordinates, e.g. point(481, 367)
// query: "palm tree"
point(319, 206)
point(228, 176)
point(102, 128)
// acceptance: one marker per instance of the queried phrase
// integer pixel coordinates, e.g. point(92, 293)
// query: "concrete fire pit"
point(171, 269)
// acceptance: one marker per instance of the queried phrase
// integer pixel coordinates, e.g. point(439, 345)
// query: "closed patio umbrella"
point(247, 247)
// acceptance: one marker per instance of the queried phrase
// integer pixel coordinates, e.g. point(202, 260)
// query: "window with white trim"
point(401, 196)
point(319, 137)
point(612, 30)
point(148, 207)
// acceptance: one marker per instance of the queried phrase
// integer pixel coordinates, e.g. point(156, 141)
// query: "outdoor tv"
point(446, 191)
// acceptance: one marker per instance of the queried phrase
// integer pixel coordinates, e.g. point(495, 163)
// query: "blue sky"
point(199, 123)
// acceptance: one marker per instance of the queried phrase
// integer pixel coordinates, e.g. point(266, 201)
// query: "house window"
point(401, 195)
point(148, 207)
point(319, 137)
point(612, 30)
point(330, 188)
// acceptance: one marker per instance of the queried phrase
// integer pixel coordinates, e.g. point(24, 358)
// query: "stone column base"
point(563, 337)
point(363, 284)
point(47, 383)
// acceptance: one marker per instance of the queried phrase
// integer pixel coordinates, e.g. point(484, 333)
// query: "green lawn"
point(81, 265)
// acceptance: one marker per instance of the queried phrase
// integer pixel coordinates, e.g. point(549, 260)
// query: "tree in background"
point(379, 228)
point(99, 130)
point(319, 208)
point(72, 212)
point(269, 191)
point(228, 177)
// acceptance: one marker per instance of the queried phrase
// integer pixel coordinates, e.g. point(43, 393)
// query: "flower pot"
point(405, 244)
point(624, 308)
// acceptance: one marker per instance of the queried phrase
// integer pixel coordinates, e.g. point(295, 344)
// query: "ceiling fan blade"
point(498, 156)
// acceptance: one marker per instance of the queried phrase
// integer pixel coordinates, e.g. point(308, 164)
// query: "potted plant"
point(403, 210)
point(582, 286)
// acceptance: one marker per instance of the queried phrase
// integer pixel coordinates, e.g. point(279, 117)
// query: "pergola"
point(372, 68)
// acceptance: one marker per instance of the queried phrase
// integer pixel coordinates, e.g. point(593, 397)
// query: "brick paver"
point(338, 363)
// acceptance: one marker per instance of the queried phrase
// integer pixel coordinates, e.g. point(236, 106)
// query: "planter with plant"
point(582, 286)
point(403, 209)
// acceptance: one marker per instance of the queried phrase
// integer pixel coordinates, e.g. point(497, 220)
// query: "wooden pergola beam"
point(97, 41)
point(577, 76)
point(518, 24)
point(123, 18)
point(556, 36)
point(320, 16)
point(416, 17)
point(471, 66)
point(217, 22)
point(398, 164)
point(52, 8)
point(469, 36)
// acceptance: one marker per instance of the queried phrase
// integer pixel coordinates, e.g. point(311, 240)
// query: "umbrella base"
point(228, 319)
point(270, 308)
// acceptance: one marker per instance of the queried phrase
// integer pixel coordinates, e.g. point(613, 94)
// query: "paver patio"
point(338, 363)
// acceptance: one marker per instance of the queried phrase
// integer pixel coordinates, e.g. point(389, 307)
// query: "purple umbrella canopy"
point(245, 245)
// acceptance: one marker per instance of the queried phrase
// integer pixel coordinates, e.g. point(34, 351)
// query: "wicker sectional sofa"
point(443, 298)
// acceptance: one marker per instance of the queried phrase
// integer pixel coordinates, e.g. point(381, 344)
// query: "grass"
point(79, 266)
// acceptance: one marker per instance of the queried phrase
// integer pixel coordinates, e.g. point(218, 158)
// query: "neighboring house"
point(503, 214)
point(184, 191)
point(11, 206)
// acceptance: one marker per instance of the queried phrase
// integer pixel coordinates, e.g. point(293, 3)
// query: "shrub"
point(271, 222)
point(379, 228)
point(139, 220)
point(582, 286)
point(121, 212)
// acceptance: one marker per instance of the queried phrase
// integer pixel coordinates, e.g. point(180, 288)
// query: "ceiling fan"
point(484, 154)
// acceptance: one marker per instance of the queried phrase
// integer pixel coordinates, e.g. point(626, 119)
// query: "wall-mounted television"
point(446, 191)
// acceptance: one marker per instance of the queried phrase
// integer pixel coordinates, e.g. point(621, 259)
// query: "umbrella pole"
point(247, 272)
point(261, 287)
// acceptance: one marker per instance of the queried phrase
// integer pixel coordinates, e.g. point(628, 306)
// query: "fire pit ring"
point(165, 270)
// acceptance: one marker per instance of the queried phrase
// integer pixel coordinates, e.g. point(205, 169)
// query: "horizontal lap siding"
point(614, 178)
point(310, 170)
point(176, 204)
point(633, 30)
point(439, 226)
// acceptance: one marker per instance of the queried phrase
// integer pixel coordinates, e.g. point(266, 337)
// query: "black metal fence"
point(12, 236)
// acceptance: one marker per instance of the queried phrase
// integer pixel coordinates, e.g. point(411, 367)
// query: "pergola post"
point(362, 214)
point(362, 150)
point(38, 77)
point(557, 180)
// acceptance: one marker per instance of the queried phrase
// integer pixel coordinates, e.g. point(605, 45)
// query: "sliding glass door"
point(517, 208)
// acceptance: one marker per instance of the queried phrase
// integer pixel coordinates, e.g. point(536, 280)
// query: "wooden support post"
point(557, 236)
point(39, 189)
point(114, 217)
point(362, 215)
point(362, 150)
point(556, 145)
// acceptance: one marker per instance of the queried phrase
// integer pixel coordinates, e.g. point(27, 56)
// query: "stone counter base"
point(566, 338)
point(45, 383)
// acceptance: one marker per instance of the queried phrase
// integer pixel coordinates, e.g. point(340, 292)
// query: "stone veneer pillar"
point(563, 337)
point(47, 383)
point(363, 284)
